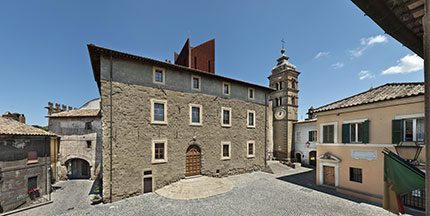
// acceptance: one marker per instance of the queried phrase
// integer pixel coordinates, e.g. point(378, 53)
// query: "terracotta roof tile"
point(76, 113)
point(385, 92)
point(13, 127)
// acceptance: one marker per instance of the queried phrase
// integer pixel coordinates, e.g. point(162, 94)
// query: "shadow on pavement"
point(308, 180)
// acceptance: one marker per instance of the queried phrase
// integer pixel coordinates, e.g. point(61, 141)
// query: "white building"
point(305, 137)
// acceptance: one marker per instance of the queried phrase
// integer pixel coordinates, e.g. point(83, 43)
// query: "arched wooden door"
point(192, 161)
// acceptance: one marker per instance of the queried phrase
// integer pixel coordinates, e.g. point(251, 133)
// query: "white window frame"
point(164, 75)
point(322, 131)
point(253, 149)
point(153, 101)
point(247, 118)
point(155, 161)
point(253, 93)
point(229, 88)
point(299, 136)
point(222, 116)
point(192, 82)
point(200, 114)
point(229, 150)
point(356, 132)
point(414, 118)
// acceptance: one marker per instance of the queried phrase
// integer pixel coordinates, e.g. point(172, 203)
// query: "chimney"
point(310, 113)
point(15, 116)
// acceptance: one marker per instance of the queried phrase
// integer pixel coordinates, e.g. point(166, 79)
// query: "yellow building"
point(353, 131)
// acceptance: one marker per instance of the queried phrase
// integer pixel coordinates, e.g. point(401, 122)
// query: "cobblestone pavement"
point(73, 195)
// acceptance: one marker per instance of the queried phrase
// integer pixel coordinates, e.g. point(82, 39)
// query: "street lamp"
point(408, 150)
point(308, 144)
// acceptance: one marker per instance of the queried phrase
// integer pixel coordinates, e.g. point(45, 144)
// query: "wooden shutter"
point(397, 131)
point(345, 133)
point(365, 125)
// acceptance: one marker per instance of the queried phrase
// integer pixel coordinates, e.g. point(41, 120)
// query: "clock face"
point(280, 114)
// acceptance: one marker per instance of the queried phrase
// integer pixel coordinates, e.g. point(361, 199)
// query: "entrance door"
point(328, 173)
point(299, 157)
point(312, 158)
point(192, 161)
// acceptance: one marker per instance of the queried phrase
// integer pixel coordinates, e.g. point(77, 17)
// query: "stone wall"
point(133, 134)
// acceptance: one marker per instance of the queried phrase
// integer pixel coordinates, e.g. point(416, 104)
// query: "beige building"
point(353, 131)
point(162, 122)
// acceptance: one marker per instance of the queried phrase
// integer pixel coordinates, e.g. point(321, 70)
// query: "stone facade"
point(16, 169)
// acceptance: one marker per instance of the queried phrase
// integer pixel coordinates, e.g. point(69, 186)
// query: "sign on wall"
point(364, 154)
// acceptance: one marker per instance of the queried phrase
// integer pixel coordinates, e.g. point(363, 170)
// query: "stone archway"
point(193, 161)
point(78, 169)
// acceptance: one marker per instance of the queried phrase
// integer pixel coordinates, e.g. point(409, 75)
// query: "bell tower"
point(284, 79)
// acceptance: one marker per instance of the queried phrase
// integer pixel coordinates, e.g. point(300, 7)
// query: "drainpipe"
point(110, 126)
point(426, 48)
point(265, 130)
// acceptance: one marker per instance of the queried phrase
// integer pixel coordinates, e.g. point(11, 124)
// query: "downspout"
point(288, 120)
point(110, 127)
point(426, 48)
point(46, 168)
point(265, 130)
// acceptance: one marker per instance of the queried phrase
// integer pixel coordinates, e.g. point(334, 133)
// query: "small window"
point(195, 82)
point(250, 93)
point(299, 136)
point(196, 114)
point(328, 134)
point(312, 136)
point(32, 157)
point(280, 86)
point(251, 119)
point(293, 84)
point(226, 117)
point(355, 175)
point(159, 151)
point(250, 149)
point(225, 150)
point(88, 126)
point(280, 101)
point(88, 143)
point(277, 86)
point(158, 74)
point(276, 102)
point(226, 88)
point(293, 100)
point(158, 111)
point(32, 183)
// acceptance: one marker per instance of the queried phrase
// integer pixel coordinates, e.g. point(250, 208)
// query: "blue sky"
point(43, 53)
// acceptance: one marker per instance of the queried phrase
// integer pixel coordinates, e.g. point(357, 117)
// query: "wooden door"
point(328, 173)
point(147, 185)
point(192, 161)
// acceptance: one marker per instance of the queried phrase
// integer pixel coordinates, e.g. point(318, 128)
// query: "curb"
point(26, 208)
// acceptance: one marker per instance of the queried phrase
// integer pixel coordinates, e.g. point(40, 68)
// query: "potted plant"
point(33, 193)
point(96, 200)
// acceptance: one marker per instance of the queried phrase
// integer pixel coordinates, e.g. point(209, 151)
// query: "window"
point(88, 143)
point(225, 150)
point(196, 111)
point(408, 130)
point(355, 175)
point(328, 134)
point(32, 157)
point(276, 102)
point(225, 117)
point(280, 85)
point(293, 100)
point(159, 151)
point(251, 119)
point(280, 101)
point(195, 82)
point(250, 93)
point(226, 88)
point(88, 126)
point(250, 149)
point(356, 132)
point(312, 136)
point(293, 84)
point(299, 136)
point(32, 183)
point(158, 111)
point(158, 74)
point(195, 62)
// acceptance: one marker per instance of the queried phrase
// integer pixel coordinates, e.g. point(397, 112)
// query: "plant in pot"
point(96, 200)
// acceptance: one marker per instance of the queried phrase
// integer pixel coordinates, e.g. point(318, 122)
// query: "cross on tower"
point(283, 42)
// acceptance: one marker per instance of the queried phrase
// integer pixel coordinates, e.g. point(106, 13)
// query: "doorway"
point(192, 161)
point(328, 172)
point(299, 157)
point(312, 158)
point(79, 169)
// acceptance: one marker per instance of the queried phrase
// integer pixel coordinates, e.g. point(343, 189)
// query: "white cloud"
point(365, 74)
point(338, 65)
point(407, 64)
point(366, 43)
point(321, 54)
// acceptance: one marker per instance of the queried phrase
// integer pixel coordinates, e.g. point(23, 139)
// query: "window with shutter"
point(345, 133)
point(365, 129)
point(397, 131)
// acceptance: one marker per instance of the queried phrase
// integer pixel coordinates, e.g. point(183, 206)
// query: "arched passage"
point(78, 169)
point(192, 161)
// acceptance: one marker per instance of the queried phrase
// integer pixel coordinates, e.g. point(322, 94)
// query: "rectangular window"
point(280, 101)
point(226, 117)
point(195, 82)
point(88, 126)
point(88, 143)
point(226, 88)
point(250, 93)
point(408, 130)
point(312, 136)
point(356, 132)
point(250, 149)
point(159, 151)
point(328, 134)
point(32, 157)
point(251, 119)
point(355, 175)
point(196, 114)
point(158, 75)
point(158, 111)
point(280, 85)
point(299, 136)
point(32, 183)
point(225, 150)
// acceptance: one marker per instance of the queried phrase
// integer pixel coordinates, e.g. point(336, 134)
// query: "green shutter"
point(397, 131)
point(345, 133)
point(365, 125)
